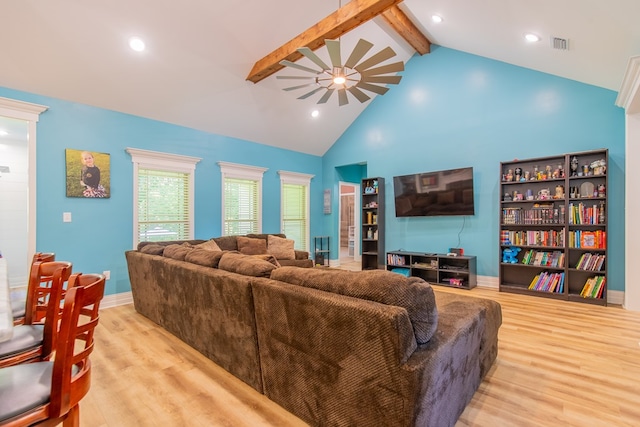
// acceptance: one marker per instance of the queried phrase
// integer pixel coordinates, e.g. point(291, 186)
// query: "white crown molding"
point(148, 158)
point(244, 171)
point(295, 177)
point(629, 94)
point(20, 109)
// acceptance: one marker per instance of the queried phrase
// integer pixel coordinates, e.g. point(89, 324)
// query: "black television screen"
point(446, 192)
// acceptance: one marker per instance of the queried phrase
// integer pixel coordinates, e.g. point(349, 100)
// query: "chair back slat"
point(69, 388)
point(38, 296)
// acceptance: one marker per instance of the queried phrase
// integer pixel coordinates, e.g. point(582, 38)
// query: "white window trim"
point(297, 178)
point(146, 159)
point(238, 171)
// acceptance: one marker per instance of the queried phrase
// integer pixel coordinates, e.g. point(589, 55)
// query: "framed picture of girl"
point(88, 174)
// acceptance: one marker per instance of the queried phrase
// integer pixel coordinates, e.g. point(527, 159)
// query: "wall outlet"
point(107, 274)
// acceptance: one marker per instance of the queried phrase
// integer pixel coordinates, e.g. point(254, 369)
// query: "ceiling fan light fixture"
point(350, 76)
point(137, 44)
point(436, 18)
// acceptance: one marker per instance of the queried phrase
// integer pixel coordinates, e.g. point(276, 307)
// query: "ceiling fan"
point(351, 76)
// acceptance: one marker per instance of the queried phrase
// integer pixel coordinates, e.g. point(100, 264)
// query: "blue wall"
point(101, 229)
point(454, 109)
point(451, 110)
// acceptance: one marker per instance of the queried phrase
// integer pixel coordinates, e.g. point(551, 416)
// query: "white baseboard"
point(115, 300)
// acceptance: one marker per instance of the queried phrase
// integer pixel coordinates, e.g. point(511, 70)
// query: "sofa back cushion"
point(245, 264)
point(226, 243)
point(176, 251)
point(251, 246)
point(411, 293)
point(209, 245)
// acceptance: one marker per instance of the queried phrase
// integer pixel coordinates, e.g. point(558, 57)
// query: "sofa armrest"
point(302, 254)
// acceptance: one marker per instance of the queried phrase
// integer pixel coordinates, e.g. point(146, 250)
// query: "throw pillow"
point(178, 252)
point(205, 257)
point(152, 249)
point(250, 246)
point(412, 293)
point(245, 264)
point(210, 245)
point(281, 248)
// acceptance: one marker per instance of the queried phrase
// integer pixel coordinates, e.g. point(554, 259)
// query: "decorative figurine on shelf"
point(599, 167)
point(547, 172)
point(544, 194)
point(601, 216)
point(574, 166)
point(559, 192)
point(585, 170)
point(518, 174)
point(509, 176)
point(601, 190)
point(507, 197)
point(510, 255)
point(527, 175)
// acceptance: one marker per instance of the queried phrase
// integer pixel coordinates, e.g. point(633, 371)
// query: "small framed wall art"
point(88, 174)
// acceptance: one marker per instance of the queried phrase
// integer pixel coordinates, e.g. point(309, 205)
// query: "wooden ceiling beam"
point(340, 22)
point(401, 23)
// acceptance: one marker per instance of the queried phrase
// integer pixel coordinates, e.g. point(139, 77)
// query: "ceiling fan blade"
point(385, 69)
point(326, 96)
point(333, 47)
point(342, 97)
point(298, 87)
point(308, 94)
point(359, 51)
point(382, 79)
point(380, 90)
point(296, 77)
point(299, 67)
point(383, 55)
point(315, 58)
point(360, 95)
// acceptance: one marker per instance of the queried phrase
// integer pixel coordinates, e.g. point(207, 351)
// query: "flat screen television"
point(438, 193)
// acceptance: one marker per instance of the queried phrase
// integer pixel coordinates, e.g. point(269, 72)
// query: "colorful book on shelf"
point(588, 240)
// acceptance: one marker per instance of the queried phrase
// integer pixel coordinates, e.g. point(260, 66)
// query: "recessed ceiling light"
point(436, 18)
point(136, 44)
point(532, 38)
point(315, 113)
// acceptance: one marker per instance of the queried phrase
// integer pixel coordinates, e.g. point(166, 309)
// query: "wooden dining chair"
point(35, 339)
point(18, 306)
point(49, 392)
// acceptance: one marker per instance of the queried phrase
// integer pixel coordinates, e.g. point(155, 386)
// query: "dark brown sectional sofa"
point(335, 348)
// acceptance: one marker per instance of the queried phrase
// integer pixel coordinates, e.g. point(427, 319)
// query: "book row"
point(583, 214)
point(552, 238)
point(542, 215)
point(585, 239)
point(542, 258)
point(593, 287)
point(591, 262)
point(548, 282)
point(393, 259)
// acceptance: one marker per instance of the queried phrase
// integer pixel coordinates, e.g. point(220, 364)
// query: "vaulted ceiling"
point(203, 56)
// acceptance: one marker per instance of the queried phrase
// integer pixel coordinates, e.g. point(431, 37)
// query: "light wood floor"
point(559, 364)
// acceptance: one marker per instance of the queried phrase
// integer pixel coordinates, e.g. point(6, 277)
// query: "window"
point(163, 187)
point(241, 199)
point(295, 207)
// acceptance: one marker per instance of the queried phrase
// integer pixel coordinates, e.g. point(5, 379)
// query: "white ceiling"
point(199, 53)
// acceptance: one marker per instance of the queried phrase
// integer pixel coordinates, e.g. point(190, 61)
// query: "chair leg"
point(73, 417)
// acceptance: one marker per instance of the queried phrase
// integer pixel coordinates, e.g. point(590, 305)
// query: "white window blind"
point(163, 205)
point(295, 207)
point(163, 195)
point(241, 207)
point(241, 199)
point(294, 218)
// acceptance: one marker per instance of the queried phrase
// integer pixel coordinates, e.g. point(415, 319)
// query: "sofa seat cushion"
point(205, 257)
point(280, 247)
point(251, 246)
point(245, 264)
point(412, 293)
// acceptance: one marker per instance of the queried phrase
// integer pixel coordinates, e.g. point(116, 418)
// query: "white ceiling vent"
point(559, 43)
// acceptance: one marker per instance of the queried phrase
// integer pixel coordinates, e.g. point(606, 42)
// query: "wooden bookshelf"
point(553, 213)
point(372, 235)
